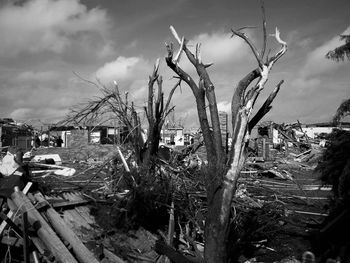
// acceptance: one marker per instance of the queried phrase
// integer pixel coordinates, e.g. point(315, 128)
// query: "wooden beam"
point(11, 224)
point(69, 204)
point(26, 242)
point(12, 241)
point(79, 249)
point(45, 232)
point(10, 213)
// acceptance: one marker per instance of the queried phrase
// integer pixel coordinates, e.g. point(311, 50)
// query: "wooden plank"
point(12, 241)
point(69, 204)
point(84, 211)
point(26, 242)
point(10, 213)
point(74, 217)
point(309, 213)
point(45, 233)
point(303, 153)
point(11, 224)
point(81, 252)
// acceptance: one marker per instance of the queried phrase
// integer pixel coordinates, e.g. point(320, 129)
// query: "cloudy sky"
point(44, 42)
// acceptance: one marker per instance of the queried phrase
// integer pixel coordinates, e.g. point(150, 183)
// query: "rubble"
point(121, 215)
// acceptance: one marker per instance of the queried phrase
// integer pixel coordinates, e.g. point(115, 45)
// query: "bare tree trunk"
point(156, 113)
point(223, 175)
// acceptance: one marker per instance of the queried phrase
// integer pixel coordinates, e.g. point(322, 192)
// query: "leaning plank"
point(123, 160)
point(45, 232)
point(310, 213)
point(10, 213)
point(303, 153)
point(6, 219)
point(75, 217)
point(84, 211)
point(69, 204)
point(81, 252)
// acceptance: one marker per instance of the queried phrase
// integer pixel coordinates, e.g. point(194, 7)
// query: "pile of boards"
point(50, 229)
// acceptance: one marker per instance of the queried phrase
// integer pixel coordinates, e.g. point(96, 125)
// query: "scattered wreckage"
point(53, 215)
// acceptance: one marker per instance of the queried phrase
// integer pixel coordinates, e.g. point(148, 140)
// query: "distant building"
point(173, 135)
point(15, 134)
point(316, 129)
point(223, 118)
point(74, 136)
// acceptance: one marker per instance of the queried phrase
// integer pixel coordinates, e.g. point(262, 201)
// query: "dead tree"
point(112, 105)
point(224, 170)
point(156, 112)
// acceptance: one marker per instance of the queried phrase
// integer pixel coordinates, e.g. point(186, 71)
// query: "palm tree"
point(339, 53)
point(342, 111)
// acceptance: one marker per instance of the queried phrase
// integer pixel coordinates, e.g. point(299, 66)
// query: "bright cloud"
point(118, 69)
point(224, 106)
point(48, 25)
point(124, 69)
point(217, 48)
point(316, 63)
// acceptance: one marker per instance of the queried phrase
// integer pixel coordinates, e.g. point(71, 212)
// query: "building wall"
point(10, 136)
point(313, 132)
point(223, 117)
point(179, 138)
point(177, 134)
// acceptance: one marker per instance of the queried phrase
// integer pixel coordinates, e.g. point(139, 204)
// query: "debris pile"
point(124, 213)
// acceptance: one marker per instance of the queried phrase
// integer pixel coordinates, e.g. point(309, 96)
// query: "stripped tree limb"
point(262, 54)
point(225, 170)
point(250, 43)
point(112, 105)
point(205, 86)
point(265, 108)
point(198, 91)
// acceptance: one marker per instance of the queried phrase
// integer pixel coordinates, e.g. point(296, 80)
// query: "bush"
point(335, 166)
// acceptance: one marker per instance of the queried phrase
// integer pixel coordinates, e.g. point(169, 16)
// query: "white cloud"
point(124, 70)
point(224, 106)
point(218, 47)
point(316, 63)
point(118, 69)
point(48, 25)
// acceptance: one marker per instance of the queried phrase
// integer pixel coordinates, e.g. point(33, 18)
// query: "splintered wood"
point(61, 235)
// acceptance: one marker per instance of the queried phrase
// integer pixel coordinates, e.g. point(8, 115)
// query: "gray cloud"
point(47, 25)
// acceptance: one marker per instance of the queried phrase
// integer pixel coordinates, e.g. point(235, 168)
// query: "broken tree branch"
point(265, 108)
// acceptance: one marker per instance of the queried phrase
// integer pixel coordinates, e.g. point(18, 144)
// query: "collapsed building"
point(269, 139)
point(14, 134)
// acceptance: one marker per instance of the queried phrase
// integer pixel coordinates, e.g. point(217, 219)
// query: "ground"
point(280, 215)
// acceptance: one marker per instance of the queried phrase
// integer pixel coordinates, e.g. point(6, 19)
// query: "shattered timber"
point(101, 213)
point(97, 187)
